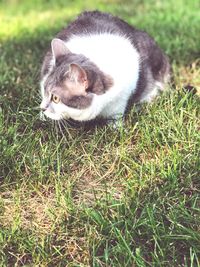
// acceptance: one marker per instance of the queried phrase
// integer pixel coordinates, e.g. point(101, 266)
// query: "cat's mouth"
point(52, 116)
point(48, 111)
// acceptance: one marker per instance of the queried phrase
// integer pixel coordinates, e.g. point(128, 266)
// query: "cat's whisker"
point(65, 125)
point(60, 127)
point(55, 126)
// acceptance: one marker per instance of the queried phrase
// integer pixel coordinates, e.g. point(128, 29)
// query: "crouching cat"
point(97, 66)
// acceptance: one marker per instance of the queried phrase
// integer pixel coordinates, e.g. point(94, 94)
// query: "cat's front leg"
point(116, 122)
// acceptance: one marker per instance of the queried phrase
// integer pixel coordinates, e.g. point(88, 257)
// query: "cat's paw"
point(116, 122)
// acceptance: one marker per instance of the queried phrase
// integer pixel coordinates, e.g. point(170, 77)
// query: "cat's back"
point(96, 22)
point(101, 38)
point(92, 22)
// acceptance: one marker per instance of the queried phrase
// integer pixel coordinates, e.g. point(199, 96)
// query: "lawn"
point(95, 196)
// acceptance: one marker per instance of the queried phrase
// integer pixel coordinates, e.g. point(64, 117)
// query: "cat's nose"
point(43, 107)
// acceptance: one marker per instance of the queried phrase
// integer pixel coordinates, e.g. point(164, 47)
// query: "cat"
point(98, 67)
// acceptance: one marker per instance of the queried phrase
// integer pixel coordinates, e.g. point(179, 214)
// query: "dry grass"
point(36, 211)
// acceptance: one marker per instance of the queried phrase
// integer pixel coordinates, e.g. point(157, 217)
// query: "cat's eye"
point(55, 99)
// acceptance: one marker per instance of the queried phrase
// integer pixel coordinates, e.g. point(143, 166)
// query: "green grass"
point(97, 196)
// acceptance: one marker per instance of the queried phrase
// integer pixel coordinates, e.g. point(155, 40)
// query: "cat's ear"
point(78, 75)
point(58, 48)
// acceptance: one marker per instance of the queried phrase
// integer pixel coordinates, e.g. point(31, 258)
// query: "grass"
point(99, 197)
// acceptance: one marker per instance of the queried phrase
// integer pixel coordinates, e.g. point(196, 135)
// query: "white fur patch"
point(113, 54)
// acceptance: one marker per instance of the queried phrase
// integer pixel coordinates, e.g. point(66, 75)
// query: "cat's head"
point(66, 88)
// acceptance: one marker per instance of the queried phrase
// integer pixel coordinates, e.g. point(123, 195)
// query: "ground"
point(96, 196)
